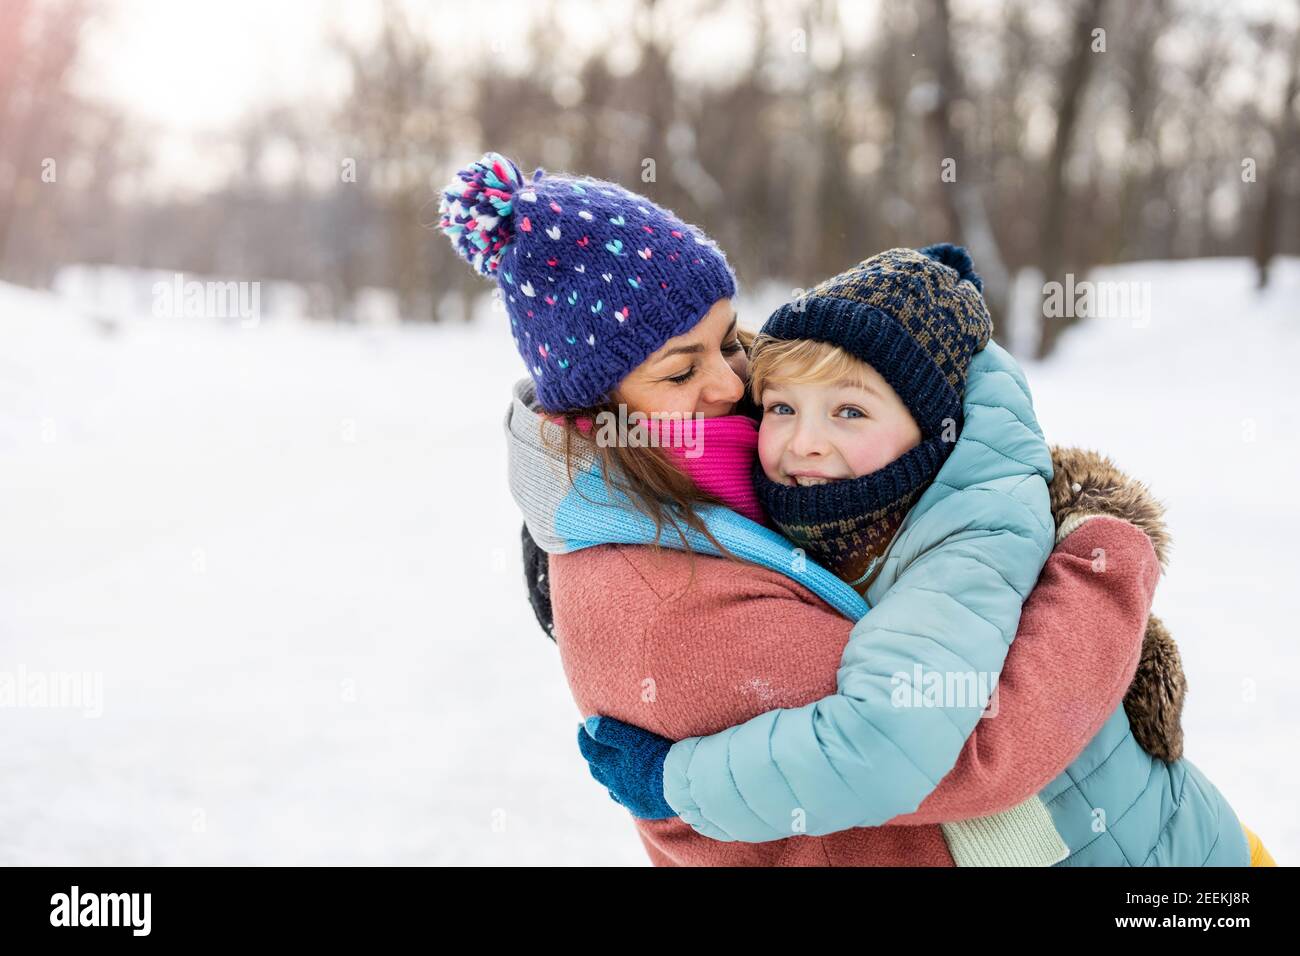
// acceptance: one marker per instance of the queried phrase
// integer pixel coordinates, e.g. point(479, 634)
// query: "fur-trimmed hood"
point(1086, 484)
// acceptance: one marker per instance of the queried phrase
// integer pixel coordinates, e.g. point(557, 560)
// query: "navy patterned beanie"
point(915, 316)
point(594, 278)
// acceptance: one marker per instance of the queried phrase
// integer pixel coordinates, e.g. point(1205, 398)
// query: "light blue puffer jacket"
point(1118, 806)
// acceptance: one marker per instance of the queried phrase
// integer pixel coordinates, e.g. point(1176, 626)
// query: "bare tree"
point(962, 199)
point(1072, 85)
point(38, 114)
point(1285, 134)
point(392, 117)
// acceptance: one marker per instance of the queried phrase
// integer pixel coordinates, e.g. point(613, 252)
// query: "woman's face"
point(703, 371)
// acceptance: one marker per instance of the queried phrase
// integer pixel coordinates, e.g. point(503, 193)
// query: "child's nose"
point(808, 440)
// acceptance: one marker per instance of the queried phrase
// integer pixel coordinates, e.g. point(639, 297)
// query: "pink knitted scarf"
point(718, 454)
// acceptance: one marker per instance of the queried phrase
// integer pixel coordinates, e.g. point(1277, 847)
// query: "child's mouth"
point(805, 481)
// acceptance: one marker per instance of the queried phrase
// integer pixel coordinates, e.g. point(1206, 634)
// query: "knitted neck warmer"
point(847, 526)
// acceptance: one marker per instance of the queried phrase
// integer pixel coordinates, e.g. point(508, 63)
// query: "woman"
point(667, 637)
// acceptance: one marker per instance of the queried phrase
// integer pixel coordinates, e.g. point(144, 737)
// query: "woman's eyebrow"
point(697, 348)
point(682, 350)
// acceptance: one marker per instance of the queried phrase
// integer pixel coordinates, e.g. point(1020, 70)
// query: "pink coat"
point(643, 642)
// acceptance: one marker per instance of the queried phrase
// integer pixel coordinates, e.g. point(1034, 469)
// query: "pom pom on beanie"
point(955, 257)
point(477, 211)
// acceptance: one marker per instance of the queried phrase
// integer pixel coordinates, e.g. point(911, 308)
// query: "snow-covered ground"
point(1201, 404)
point(289, 555)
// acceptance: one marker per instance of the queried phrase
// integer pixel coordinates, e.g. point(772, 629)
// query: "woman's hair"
point(800, 361)
point(656, 486)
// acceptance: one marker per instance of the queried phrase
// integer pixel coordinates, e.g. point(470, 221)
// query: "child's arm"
point(946, 607)
point(1073, 660)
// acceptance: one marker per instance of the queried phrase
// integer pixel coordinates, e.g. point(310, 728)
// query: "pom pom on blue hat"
point(955, 257)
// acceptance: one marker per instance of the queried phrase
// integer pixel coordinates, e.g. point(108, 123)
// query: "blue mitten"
point(629, 761)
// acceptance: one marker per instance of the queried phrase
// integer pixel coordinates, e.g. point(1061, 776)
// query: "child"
point(830, 418)
point(842, 457)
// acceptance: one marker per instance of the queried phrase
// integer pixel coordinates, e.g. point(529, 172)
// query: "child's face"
point(814, 434)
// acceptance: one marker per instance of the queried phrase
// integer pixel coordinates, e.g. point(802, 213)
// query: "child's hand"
point(630, 762)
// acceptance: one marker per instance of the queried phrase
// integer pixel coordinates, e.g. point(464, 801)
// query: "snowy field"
point(289, 558)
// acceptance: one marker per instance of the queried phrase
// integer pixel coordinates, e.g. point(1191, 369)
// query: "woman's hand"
point(629, 761)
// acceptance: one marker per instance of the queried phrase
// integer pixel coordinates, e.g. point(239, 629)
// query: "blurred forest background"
point(1049, 136)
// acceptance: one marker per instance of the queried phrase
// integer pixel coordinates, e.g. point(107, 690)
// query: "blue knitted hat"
point(594, 278)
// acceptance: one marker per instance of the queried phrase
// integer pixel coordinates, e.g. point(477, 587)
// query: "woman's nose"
point(724, 386)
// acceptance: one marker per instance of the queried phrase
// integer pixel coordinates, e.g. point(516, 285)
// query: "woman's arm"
point(1073, 659)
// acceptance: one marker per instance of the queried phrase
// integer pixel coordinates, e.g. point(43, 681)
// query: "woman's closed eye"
point(729, 348)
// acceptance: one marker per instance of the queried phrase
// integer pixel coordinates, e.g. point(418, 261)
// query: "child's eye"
point(779, 408)
point(856, 412)
point(684, 377)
